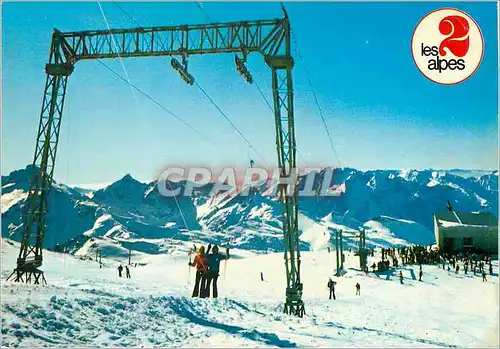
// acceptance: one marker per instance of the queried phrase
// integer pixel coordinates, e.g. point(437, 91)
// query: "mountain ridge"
point(382, 200)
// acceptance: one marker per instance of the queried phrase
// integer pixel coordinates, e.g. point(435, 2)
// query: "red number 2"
point(457, 29)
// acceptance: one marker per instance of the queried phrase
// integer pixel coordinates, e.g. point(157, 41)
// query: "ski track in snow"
point(87, 306)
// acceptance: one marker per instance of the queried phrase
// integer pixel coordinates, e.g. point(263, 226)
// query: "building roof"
point(448, 219)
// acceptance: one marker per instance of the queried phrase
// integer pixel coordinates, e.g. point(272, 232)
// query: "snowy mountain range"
point(395, 207)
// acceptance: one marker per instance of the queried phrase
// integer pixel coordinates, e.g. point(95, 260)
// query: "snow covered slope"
point(251, 221)
point(388, 231)
point(87, 306)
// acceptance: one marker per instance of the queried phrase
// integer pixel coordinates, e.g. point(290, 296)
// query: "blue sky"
point(381, 112)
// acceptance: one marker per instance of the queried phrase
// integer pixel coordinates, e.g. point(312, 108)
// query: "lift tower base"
point(293, 303)
point(28, 274)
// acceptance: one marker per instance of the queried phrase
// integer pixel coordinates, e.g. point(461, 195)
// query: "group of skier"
point(427, 255)
point(331, 287)
point(207, 264)
point(127, 271)
point(469, 261)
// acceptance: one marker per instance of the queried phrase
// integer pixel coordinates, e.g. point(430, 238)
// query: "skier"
point(200, 262)
point(484, 276)
point(127, 272)
point(466, 266)
point(331, 286)
point(358, 289)
point(373, 267)
point(261, 276)
point(491, 269)
point(401, 277)
point(458, 268)
point(120, 268)
point(420, 275)
point(213, 263)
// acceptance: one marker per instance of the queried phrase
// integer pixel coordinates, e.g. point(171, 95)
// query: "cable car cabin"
point(466, 232)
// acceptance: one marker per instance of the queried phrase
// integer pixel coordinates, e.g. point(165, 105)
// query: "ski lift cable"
point(215, 104)
point(115, 45)
point(127, 14)
point(320, 110)
point(148, 96)
point(154, 101)
point(165, 109)
point(209, 98)
point(68, 138)
point(127, 79)
point(140, 111)
point(205, 93)
point(200, 6)
point(180, 212)
point(229, 120)
point(178, 118)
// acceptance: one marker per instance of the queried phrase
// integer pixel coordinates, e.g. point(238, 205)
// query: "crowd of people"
point(470, 262)
point(410, 255)
point(479, 264)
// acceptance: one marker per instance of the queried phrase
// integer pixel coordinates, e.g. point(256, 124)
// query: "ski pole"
point(189, 268)
point(225, 262)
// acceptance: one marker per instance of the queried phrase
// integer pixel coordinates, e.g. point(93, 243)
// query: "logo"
point(447, 46)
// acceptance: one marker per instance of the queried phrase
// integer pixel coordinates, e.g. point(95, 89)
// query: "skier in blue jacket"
point(214, 260)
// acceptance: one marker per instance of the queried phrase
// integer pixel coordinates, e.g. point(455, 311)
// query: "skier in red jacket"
point(200, 262)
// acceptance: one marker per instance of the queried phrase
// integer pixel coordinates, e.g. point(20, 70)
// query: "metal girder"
point(282, 86)
point(36, 205)
point(271, 38)
point(363, 252)
point(264, 36)
point(339, 252)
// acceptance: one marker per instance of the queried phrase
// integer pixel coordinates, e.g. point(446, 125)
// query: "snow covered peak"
point(21, 179)
point(127, 180)
point(126, 188)
point(408, 174)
